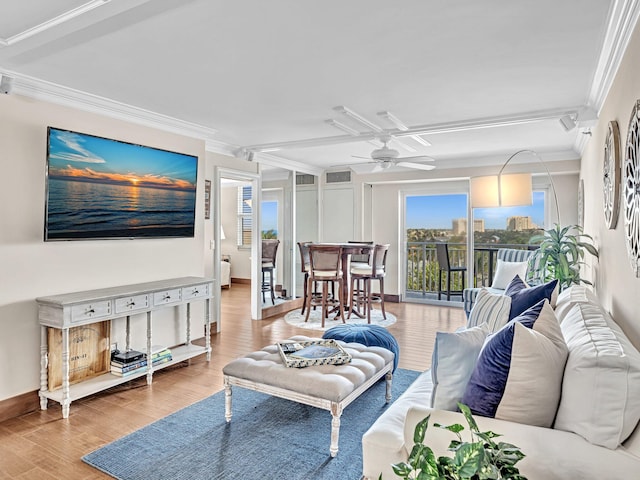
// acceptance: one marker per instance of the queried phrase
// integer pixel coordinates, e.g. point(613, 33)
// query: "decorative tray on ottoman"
point(314, 352)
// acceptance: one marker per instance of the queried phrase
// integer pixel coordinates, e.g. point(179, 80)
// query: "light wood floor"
point(42, 445)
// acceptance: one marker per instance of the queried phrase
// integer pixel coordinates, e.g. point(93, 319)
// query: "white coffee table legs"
point(227, 400)
point(335, 408)
point(336, 412)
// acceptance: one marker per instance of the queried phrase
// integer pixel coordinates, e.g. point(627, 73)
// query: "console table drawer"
point(167, 296)
point(130, 304)
point(197, 291)
point(88, 311)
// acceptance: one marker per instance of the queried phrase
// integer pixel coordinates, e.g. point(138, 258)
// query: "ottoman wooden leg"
point(336, 412)
point(388, 377)
point(227, 400)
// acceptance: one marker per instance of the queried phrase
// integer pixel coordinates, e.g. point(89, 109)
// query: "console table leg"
point(188, 340)
point(149, 360)
point(388, 377)
point(44, 364)
point(227, 400)
point(66, 399)
point(207, 329)
point(336, 413)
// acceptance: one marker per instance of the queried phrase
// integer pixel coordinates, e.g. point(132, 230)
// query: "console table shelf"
point(84, 308)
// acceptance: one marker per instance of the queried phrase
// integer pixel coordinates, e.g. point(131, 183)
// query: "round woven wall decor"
point(611, 175)
point(631, 190)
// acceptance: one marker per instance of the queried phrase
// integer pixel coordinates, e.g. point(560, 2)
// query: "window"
point(270, 219)
point(244, 217)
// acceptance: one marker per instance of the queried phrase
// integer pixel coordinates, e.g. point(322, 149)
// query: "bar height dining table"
point(348, 249)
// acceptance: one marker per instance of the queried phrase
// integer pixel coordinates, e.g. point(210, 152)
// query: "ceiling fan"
point(386, 157)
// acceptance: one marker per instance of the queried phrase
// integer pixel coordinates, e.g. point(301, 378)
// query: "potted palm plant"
point(561, 253)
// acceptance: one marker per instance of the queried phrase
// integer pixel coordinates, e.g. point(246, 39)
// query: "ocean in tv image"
point(102, 188)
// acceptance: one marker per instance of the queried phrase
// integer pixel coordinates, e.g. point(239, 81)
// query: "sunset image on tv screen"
point(102, 188)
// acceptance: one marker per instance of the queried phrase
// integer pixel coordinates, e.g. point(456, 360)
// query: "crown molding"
point(622, 20)
point(49, 92)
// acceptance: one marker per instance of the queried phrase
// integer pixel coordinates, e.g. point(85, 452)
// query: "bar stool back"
point(269, 252)
point(325, 267)
point(365, 297)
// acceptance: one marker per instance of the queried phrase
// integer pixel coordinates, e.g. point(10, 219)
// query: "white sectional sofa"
point(594, 435)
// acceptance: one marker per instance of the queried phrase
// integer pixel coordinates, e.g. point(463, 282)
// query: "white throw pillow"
point(506, 271)
point(490, 308)
point(534, 383)
point(454, 358)
point(601, 386)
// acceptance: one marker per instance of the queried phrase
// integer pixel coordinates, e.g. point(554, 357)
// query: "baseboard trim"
point(246, 281)
point(281, 308)
point(391, 298)
point(19, 405)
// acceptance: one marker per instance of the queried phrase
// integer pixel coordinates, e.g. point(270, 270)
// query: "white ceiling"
point(252, 73)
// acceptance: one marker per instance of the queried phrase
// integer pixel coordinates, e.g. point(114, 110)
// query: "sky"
point(437, 211)
point(85, 157)
point(269, 216)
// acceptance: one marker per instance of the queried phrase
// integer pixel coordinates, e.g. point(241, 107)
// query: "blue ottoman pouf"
point(364, 334)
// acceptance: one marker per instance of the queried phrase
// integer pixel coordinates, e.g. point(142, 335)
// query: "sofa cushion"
point(454, 358)
point(601, 387)
point(506, 271)
point(518, 375)
point(383, 444)
point(490, 308)
point(570, 297)
point(523, 296)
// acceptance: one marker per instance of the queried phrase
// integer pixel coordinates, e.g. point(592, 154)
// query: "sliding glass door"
point(432, 219)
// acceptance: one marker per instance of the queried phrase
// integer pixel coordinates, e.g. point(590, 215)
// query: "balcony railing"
point(422, 265)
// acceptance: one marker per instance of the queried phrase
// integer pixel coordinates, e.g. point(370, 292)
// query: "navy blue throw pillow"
point(489, 378)
point(523, 297)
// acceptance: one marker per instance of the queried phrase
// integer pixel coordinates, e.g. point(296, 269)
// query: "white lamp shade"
point(484, 191)
point(514, 190)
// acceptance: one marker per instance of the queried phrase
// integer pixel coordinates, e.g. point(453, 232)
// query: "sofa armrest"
point(469, 296)
point(550, 454)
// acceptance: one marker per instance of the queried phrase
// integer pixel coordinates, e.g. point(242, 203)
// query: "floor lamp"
point(508, 190)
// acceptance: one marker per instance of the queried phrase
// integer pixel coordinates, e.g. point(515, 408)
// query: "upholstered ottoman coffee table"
point(330, 387)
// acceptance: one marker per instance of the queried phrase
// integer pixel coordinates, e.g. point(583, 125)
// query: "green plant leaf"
point(466, 411)
point(455, 428)
point(421, 430)
point(469, 458)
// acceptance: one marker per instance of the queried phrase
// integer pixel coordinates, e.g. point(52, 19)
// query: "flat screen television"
point(99, 188)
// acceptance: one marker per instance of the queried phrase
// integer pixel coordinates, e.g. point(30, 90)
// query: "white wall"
point(31, 268)
point(616, 285)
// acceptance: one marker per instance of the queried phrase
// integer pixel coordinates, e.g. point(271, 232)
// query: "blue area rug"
point(268, 438)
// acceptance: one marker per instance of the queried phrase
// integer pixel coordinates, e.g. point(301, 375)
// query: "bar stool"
point(325, 267)
point(365, 274)
point(305, 267)
point(269, 251)
point(444, 265)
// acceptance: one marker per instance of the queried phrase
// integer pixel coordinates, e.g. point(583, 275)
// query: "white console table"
point(81, 308)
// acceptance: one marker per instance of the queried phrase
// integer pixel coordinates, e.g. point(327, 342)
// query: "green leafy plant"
point(480, 459)
point(561, 254)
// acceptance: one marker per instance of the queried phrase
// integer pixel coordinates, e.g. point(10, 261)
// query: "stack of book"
point(127, 363)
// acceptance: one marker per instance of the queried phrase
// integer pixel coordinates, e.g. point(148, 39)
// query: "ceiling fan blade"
point(419, 158)
point(358, 156)
point(417, 166)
